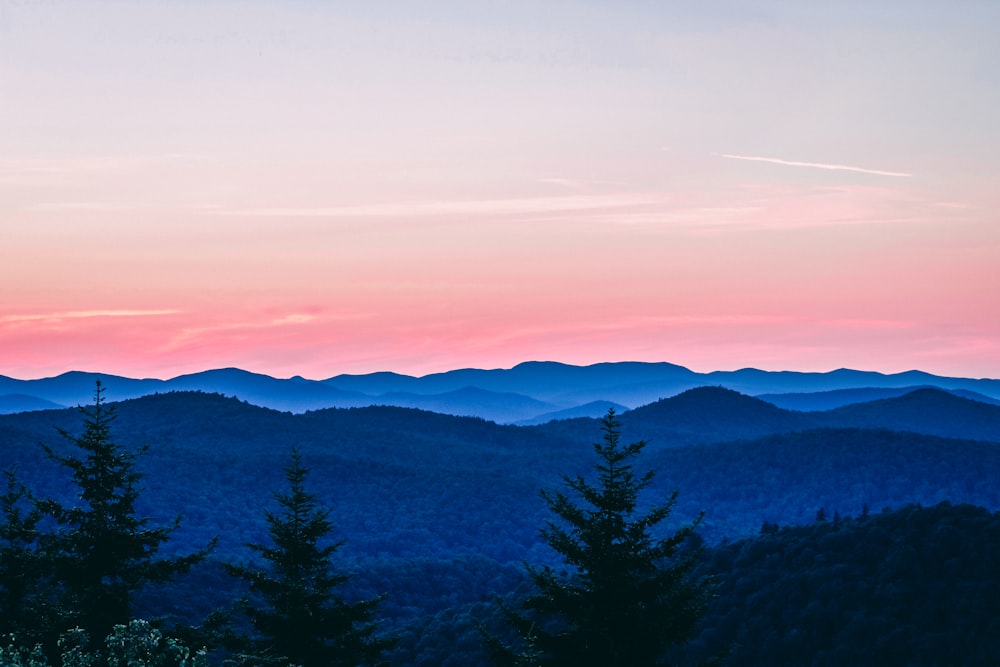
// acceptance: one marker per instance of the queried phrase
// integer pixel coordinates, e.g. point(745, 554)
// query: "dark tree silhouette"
point(629, 595)
point(102, 552)
point(24, 611)
point(302, 620)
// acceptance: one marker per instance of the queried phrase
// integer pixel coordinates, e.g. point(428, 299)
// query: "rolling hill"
point(411, 470)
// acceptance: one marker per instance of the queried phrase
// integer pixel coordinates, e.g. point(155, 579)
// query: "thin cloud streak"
point(473, 207)
point(187, 335)
point(84, 314)
point(94, 206)
point(815, 165)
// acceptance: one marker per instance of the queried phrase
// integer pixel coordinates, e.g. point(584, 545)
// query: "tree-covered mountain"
point(930, 411)
point(438, 512)
point(837, 398)
point(460, 484)
point(714, 414)
point(11, 403)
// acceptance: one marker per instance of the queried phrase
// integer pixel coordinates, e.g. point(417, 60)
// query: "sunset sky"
point(323, 187)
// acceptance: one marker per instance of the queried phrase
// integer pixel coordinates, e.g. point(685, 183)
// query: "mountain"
point(77, 387)
point(11, 403)
point(716, 414)
point(593, 410)
point(753, 381)
point(526, 393)
point(713, 413)
point(293, 395)
point(546, 381)
point(836, 398)
point(500, 407)
point(930, 411)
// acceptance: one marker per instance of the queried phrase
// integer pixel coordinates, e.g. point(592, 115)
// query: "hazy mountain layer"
point(527, 393)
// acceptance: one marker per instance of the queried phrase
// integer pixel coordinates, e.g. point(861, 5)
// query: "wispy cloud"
point(564, 182)
point(96, 206)
point(23, 172)
point(294, 318)
point(82, 314)
point(853, 323)
point(253, 327)
point(471, 207)
point(815, 165)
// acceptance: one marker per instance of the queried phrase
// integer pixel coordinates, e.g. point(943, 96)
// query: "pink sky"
point(310, 188)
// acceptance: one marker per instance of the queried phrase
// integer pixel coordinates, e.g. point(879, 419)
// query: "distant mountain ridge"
point(836, 398)
point(527, 393)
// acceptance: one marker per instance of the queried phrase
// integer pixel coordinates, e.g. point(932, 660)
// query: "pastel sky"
point(323, 187)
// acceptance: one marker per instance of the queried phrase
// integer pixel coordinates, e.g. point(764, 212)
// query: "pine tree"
point(23, 608)
point(303, 620)
point(102, 552)
point(629, 595)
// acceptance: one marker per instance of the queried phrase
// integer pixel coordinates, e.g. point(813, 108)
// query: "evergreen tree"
point(102, 552)
point(23, 608)
point(629, 596)
point(303, 620)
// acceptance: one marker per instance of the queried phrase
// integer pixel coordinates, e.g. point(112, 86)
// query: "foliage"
point(915, 586)
point(102, 552)
point(629, 595)
point(302, 618)
point(137, 644)
point(23, 609)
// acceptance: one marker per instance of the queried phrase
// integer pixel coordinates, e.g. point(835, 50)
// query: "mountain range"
point(529, 393)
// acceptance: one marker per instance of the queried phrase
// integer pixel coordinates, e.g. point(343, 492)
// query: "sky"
point(323, 187)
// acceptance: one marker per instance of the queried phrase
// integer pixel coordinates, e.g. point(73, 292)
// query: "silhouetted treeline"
point(914, 586)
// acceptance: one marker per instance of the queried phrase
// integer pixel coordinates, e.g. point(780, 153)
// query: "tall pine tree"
point(628, 596)
point(302, 619)
point(102, 551)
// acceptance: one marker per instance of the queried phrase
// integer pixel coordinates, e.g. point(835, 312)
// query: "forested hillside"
point(440, 512)
point(915, 586)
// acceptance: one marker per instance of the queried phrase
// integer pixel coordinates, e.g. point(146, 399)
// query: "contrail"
point(816, 165)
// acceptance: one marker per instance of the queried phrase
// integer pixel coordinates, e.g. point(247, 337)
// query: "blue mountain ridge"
point(525, 393)
point(836, 398)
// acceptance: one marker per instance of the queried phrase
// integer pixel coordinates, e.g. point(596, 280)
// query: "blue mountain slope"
point(829, 400)
point(500, 407)
point(12, 403)
point(77, 387)
point(636, 383)
point(716, 414)
point(544, 380)
point(593, 410)
point(293, 395)
point(713, 413)
point(929, 411)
